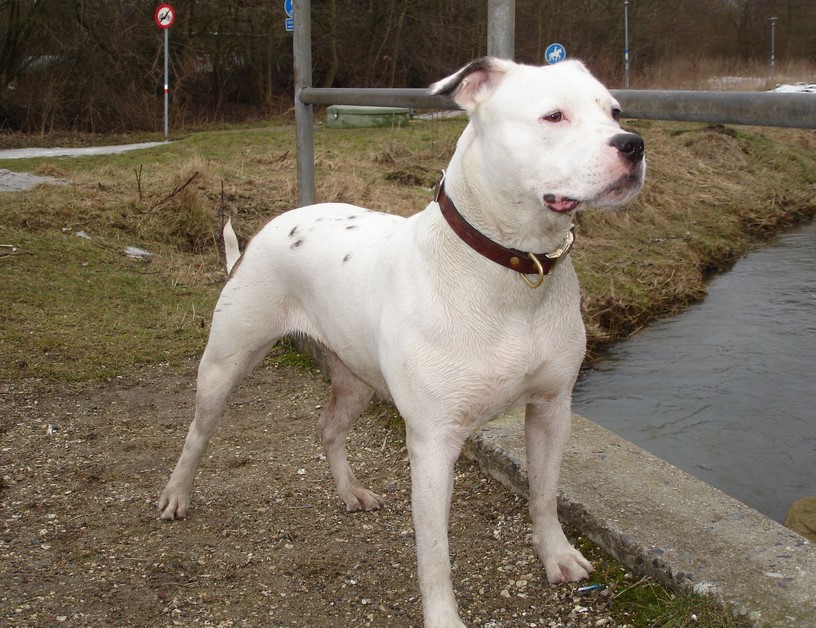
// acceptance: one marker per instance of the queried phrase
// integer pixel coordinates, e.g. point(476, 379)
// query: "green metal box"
point(355, 117)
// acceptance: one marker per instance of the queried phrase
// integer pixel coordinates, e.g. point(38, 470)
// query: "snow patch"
point(796, 88)
point(21, 181)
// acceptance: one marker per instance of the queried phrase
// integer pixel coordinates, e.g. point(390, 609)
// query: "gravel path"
point(267, 542)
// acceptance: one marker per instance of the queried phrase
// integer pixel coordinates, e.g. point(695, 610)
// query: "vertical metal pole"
point(302, 49)
point(166, 81)
point(773, 46)
point(626, 41)
point(501, 28)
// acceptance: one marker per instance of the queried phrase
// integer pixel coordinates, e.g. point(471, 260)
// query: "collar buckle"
point(565, 247)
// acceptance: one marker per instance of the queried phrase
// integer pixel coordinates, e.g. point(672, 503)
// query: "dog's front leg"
point(432, 456)
point(547, 428)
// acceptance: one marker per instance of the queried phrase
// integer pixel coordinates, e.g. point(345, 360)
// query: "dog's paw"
point(567, 566)
point(362, 499)
point(172, 505)
point(445, 622)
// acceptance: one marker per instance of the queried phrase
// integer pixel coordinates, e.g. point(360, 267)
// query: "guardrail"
point(792, 110)
point(752, 108)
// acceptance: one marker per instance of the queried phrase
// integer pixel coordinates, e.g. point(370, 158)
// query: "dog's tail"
point(231, 248)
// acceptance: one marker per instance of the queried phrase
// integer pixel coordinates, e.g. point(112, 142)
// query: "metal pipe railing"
point(375, 97)
point(791, 110)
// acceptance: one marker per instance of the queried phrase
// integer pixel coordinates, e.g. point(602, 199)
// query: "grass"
point(77, 308)
point(720, 73)
point(711, 193)
point(640, 602)
point(644, 603)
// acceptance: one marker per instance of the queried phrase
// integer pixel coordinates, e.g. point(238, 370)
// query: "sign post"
point(164, 17)
point(626, 41)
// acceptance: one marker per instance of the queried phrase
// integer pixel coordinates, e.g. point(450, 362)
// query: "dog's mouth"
point(560, 204)
point(617, 192)
point(622, 189)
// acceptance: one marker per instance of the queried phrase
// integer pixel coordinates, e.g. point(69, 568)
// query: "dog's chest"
point(486, 364)
point(529, 358)
point(507, 382)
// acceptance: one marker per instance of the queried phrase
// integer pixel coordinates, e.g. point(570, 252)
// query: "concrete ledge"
point(662, 522)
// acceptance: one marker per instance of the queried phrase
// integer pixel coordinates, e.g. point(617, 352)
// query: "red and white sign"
point(165, 16)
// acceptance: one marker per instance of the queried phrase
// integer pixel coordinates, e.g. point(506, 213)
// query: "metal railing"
point(790, 110)
point(752, 108)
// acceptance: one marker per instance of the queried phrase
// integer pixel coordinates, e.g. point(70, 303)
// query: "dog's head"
point(552, 132)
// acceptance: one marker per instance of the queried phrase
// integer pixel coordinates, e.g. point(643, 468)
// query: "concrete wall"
point(660, 521)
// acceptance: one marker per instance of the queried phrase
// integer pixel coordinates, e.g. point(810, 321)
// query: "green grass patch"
point(78, 308)
point(288, 354)
point(643, 603)
point(83, 310)
point(646, 604)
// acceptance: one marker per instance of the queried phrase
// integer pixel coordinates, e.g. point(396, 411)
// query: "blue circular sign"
point(555, 53)
point(288, 7)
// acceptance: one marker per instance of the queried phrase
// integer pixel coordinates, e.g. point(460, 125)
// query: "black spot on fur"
point(351, 226)
point(296, 243)
point(352, 217)
point(293, 231)
point(347, 257)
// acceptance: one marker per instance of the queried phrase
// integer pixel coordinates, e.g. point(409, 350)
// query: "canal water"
point(727, 390)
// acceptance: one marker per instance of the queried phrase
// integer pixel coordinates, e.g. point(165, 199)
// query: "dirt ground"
point(267, 542)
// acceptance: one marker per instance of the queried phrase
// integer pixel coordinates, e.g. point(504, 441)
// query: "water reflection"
point(727, 390)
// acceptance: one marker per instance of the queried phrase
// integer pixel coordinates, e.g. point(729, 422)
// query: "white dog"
point(445, 313)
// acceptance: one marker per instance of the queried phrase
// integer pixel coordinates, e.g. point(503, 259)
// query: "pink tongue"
point(560, 203)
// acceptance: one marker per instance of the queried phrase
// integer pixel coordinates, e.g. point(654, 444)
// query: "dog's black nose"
point(630, 146)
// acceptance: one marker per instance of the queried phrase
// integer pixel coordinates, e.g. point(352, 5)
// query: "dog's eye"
point(616, 114)
point(555, 116)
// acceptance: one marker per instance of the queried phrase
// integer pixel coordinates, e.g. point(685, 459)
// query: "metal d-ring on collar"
point(538, 264)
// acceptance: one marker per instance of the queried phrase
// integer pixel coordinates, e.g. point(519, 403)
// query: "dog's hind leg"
point(235, 347)
point(349, 397)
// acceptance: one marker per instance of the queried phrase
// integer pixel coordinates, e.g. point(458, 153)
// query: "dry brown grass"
point(710, 193)
point(722, 74)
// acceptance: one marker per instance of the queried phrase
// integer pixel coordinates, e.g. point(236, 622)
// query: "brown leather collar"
point(539, 264)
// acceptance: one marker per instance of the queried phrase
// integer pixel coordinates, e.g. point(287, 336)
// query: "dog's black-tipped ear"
point(449, 86)
point(473, 83)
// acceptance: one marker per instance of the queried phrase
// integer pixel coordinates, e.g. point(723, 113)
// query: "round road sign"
point(555, 53)
point(165, 16)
